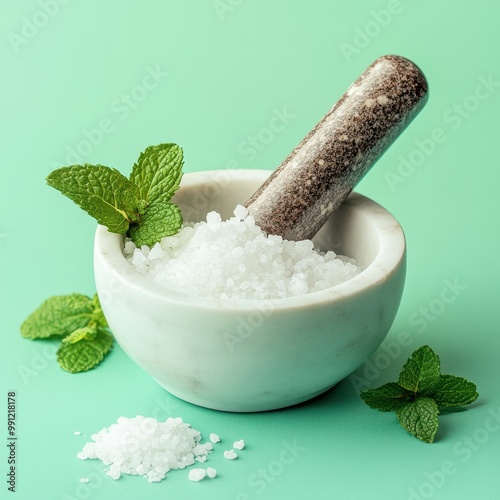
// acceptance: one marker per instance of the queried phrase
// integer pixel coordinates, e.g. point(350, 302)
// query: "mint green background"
point(226, 78)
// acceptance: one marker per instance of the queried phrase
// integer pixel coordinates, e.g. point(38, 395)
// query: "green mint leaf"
point(420, 418)
point(421, 392)
point(388, 397)
point(158, 172)
point(162, 218)
point(58, 316)
point(86, 353)
point(98, 316)
point(103, 192)
point(420, 374)
point(454, 391)
point(87, 332)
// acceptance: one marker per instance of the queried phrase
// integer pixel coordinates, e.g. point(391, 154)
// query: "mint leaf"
point(98, 315)
point(158, 172)
point(162, 218)
point(454, 391)
point(87, 332)
point(421, 392)
point(80, 320)
point(420, 373)
point(85, 353)
point(58, 316)
point(420, 418)
point(103, 192)
point(121, 204)
point(388, 397)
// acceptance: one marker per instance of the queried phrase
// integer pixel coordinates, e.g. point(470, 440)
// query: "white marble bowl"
point(243, 355)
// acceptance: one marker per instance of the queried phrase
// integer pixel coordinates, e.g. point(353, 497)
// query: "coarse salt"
point(235, 259)
point(146, 447)
point(230, 454)
point(197, 474)
point(214, 438)
point(239, 445)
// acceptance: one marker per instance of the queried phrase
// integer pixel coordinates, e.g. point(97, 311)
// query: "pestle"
point(318, 175)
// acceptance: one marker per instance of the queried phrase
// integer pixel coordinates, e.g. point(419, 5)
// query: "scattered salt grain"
point(214, 438)
point(146, 447)
point(235, 259)
point(239, 445)
point(84, 480)
point(230, 454)
point(77, 433)
point(197, 474)
point(211, 473)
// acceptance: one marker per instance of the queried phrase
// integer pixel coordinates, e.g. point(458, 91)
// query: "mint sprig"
point(420, 393)
point(81, 324)
point(140, 206)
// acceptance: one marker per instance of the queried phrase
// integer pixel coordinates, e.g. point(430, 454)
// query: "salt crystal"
point(213, 219)
point(197, 474)
point(211, 472)
point(77, 433)
point(230, 454)
point(214, 438)
point(84, 480)
point(240, 212)
point(156, 252)
point(235, 259)
point(129, 247)
point(239, 445)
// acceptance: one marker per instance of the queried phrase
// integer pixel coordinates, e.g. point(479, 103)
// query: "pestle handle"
point(318, 175)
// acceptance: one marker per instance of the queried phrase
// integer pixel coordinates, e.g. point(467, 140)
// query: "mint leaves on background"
point(420, 393)
point(81, 324)
point(140, 206)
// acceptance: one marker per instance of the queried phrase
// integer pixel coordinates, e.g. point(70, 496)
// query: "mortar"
point(246, 355)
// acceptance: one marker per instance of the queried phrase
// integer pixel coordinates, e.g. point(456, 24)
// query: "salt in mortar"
point(235, 259)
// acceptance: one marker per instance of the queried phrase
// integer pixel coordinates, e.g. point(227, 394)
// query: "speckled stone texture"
point(318, 175)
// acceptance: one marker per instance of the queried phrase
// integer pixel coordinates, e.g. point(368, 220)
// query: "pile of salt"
point(235, 259)
point(143, 446)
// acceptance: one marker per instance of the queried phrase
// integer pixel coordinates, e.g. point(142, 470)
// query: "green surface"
point(155, 71)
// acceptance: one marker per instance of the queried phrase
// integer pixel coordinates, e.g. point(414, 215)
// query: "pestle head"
point(318, 175)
